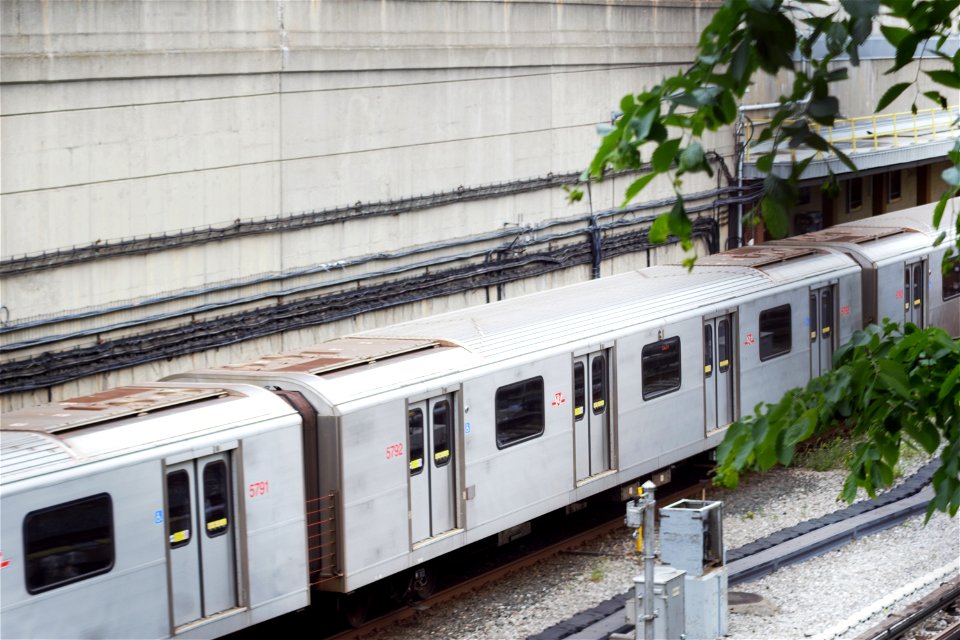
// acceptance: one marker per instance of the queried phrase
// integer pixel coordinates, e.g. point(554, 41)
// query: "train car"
point(436, 433)
point(902, 275)
point(365, 460)
point(143, 512)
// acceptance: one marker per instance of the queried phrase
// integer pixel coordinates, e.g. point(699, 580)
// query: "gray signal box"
point(668, 598)
point(691, 539)
point(691, 535)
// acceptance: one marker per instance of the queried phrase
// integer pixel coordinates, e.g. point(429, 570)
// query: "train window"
point(660, 366)
point(951, 281)
point(579, 391)
point(917, 284)
point(826, 314)
point(415, 429)
point(707, 350)
point(216, 498)
point(178, 510)
point(775, 332)
point(724, 342)
point(442, 431)
point(69, 542)
point(598, 384)
point(519, 412)
point(812, 320)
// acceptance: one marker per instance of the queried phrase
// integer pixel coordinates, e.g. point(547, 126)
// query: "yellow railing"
point(871, 133)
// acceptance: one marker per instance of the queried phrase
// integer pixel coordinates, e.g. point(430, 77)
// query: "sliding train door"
point(914, 284)
point(591, 414)
point(822, 321)
point(719, 371)
point(201, 529)
point(431, 426)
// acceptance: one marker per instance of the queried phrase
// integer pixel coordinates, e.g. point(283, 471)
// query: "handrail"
point(877, 130)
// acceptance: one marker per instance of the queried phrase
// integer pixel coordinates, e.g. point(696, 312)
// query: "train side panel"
point(657, 424)
point(128, 600)
point(374, 520)
point(774, 349)
point(512, 478)
point(273, 499)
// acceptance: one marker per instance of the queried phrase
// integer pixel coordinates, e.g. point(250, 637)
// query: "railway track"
point(911, 619)
point(789, 546)
point(517, 564)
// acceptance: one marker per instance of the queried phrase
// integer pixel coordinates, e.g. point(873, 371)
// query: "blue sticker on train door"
point(466, 427)
point(158, 517)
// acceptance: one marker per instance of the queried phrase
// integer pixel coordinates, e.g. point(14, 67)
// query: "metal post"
point(649, 557)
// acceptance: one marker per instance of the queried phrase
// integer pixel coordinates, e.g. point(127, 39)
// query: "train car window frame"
point(660, 368)
point(442, 434)
point(579, 391)
point(708, 351)
point(724, 345)
point(776, 332)
point(951, 282)
point(519, 412)
point(598, 384)
point(415, 444)
point(216, 498)
point(179, 508)
point(84, 527)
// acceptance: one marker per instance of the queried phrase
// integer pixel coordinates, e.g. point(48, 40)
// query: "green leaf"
point(836, 39)
point(824, 110)
point(891, 94)
point(660, 230)
point(905, 50)
point(861, 8)
point(637, 186)
point(894, 34)
point(937, 97)
point(948, 386)
point(844, 158)
point(740, 62)
point(946, 78)
point(774, 217)
point(692, 157)
point(680, 226)
point(951, 175)
point(663, 156)
point(893, 377)
point(765, 163)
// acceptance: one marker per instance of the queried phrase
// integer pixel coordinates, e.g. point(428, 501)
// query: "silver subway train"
point(220, 498)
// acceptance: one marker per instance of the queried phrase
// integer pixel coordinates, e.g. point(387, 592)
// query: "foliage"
point(888, 387)
point(660, 129)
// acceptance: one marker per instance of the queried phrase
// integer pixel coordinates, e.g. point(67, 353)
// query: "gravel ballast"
point(808, 599)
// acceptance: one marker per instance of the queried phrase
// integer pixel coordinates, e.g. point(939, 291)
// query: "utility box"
point(668, 599)
point(706, 607)
point(691, 536)
point(691, 539)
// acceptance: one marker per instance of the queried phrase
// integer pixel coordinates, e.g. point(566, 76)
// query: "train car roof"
point(880, 237)
point(59, 435)
point(363, 364)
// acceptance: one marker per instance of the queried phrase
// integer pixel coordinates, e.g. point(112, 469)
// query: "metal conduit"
point(593, 228)
point(52, 368)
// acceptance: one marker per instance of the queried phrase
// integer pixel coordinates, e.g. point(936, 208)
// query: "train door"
point(200, 536)
point(719, 370)
point(591, 413)
point(913, 290)
point(822, 321)
point(431, 425)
